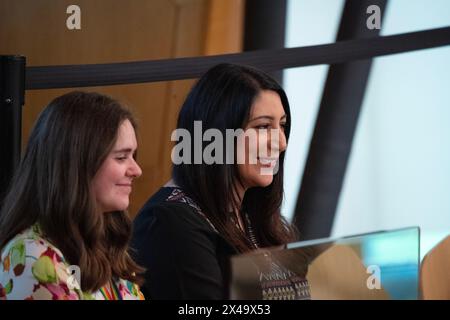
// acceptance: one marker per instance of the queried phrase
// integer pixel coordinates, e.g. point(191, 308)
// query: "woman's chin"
point(264, 181)
point(122, 206)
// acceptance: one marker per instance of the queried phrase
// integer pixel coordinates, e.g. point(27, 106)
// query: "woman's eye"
point(263, 126)
point(122, 158)
point(283, 125)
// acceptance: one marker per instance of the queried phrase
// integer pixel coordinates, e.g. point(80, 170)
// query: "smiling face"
point(113, 181)
point(266, 122)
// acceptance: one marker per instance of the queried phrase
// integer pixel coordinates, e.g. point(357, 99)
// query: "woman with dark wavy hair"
point(210, 210)
point(64, 232)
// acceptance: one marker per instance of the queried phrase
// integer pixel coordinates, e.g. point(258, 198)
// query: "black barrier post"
point(332, 139)
point(12, 98)
point(265, 27)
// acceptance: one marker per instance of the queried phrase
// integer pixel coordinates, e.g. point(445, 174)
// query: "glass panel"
point(381, 265)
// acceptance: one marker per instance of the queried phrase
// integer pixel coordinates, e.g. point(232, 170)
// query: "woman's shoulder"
point(30, 241)
point(173, 206)
point(175, 219)
point(32, 268)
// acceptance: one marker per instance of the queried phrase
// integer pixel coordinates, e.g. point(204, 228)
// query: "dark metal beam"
point(12, 93)
point(265, 25)
point(108, 74)
point(335, 127)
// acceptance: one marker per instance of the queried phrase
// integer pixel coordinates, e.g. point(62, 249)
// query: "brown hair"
point(52, 187)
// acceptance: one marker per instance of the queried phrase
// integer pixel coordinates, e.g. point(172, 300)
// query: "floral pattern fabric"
point(31, 268)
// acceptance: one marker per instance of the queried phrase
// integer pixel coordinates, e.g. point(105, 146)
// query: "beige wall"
point(119, 31)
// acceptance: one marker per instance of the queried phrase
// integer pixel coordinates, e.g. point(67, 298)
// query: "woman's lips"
point(125, 185)
point(267, 162)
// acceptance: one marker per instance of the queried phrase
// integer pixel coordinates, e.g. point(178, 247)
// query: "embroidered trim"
point(250, 233)
point(179, 196)
point(279, 283)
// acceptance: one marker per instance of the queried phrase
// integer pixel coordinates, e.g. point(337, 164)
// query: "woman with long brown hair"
point(64, 230)
point(214, 208)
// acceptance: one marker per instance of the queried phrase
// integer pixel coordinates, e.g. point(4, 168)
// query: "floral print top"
point(31, 268)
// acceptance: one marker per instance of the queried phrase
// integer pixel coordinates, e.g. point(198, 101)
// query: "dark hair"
point(222, 99)
point(52, 187)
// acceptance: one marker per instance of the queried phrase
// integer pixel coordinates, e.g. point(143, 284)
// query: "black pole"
point(12, 98)
point(335, 128)
point(265, 26)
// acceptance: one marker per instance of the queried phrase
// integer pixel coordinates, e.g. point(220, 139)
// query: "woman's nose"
point(134, 169)
point(277, 141)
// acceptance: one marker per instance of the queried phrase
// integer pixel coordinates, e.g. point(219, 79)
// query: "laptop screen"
point(378, 265)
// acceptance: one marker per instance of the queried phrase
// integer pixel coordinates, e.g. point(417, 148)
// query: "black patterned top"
point(187, 258)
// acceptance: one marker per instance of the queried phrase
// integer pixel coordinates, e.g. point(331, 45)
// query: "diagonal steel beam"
point(335, 128)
